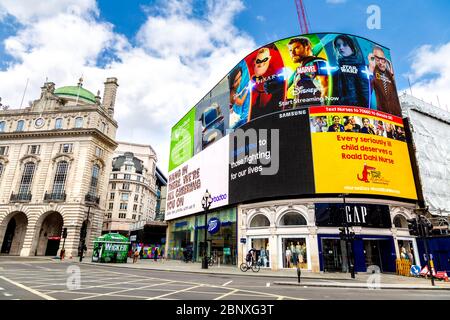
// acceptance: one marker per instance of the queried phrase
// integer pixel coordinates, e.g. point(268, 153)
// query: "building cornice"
point(59, 133)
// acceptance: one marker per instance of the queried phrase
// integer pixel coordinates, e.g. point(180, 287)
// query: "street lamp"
point(348, 236)
point(84, 234)
point(206, 203)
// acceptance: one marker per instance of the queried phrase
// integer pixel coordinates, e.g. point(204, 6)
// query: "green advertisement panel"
point(182, 140)
point(111, 247)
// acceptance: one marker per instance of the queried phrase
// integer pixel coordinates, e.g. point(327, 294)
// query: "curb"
point(252, 274)
point(336, 285)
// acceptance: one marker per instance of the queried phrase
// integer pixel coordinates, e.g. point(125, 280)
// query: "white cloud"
point(177, 59)
point(260, 18)
point(430, 74)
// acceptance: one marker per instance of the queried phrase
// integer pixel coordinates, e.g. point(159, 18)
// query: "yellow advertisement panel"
point(360, 151)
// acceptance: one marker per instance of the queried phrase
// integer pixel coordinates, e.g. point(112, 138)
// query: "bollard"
point(299, 273)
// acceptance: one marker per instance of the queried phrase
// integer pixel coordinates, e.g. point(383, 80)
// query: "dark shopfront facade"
point(373, 248)
point(189, 232)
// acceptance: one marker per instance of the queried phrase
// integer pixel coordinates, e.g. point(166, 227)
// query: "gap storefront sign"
point(364, 215)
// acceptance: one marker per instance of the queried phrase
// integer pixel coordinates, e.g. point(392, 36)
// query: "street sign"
point(243, 240)
point(133, 238)
point(415, 270)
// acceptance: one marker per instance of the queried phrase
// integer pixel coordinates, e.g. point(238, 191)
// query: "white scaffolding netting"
point(431, 134)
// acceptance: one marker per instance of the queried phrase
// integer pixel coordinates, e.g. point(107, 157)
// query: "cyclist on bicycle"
point(250, 257)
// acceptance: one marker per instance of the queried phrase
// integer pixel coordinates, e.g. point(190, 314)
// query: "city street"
point(53, 280)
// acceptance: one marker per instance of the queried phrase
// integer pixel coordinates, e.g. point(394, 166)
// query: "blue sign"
point(213, 225)
point(415, 270)
point(243, 240)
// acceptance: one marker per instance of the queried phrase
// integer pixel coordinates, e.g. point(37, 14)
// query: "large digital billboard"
point(332, 100)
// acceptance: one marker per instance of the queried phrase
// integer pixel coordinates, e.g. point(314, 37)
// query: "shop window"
point(259, 220)
point(294, 252)
point(293, 219)
point(261, 245)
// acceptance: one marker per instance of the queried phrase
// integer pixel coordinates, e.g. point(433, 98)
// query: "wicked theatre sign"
point(365, 215)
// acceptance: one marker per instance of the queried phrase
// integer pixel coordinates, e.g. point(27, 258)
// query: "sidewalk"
point(289, 276)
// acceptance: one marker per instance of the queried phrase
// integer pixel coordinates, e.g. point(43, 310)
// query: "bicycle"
point(254, 265)
point(212, 260)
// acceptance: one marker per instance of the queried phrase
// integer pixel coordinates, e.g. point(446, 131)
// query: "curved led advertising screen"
point(310, 114)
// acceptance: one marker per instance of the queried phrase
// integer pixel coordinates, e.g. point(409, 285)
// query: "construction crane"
point(302, 16)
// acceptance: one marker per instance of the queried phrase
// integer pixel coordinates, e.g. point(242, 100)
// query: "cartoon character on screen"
point(351, 80)
point(239, 98)
point(383, 83)
point(310, 79)
point(267, 82)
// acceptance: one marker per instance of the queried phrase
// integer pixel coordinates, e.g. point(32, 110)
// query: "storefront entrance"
point(367, 251)
point(334, 255)
point(261, 245)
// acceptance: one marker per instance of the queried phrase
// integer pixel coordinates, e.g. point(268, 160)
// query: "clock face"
point(39, 122)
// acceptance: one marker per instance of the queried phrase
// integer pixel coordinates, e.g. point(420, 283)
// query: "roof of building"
point(74, 92)
point(410, 102)
point(119, 161)
point(160, 176)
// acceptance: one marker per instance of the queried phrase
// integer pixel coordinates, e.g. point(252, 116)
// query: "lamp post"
point(348, 236)
point(83, 235)
point(206, 203)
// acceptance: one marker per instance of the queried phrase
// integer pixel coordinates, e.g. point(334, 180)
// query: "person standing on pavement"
point(135, 255)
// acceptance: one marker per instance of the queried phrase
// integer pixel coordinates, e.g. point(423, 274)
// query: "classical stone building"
point(132, 187)
point(54, 161)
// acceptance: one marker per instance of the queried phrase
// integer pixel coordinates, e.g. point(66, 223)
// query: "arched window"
point(2, 126)
point(400, 222)
point(27, 178)
point(293, 219)
point(79, 122)
point(58, 123)
point(20, 125)
point(94, 180)
point(60, 178)
point(259, 220)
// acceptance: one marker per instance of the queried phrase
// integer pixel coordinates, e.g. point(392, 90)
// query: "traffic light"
point(413, 227)
point(64, 235)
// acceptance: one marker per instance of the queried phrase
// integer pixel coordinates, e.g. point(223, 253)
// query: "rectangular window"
point(138, 188)
point(122, 215)
point(136, 198)
point(123, 206)
point(126, 186)
point(138, 178)
point(127, 176)
point(66, 148)
point(98, 151)
point(133, 217)
point(113, 186)
point(128, 167)
point(2, 126)
point(58, 123)
point(79, 122)
point(111, 196)
point(135, 208)
point(109, 215)
point(27, 178)
point(115, 176)
point(3, 150)
point(124, 197)
point(34, 149)
point(111, 205)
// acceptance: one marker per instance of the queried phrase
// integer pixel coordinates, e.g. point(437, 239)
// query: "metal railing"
point(16, 197)
point(61, 196)
point(90, 198)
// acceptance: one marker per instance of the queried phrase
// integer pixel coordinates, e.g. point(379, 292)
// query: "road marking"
point(1, 288)
point(7, 294)
point(226, 283)
point(268, 284)
point(175, 292)
point(125, 290)
point(46, 297)
point(227, 294)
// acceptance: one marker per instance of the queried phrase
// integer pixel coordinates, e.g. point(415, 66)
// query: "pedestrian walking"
point(155, 254)
point(135, 255)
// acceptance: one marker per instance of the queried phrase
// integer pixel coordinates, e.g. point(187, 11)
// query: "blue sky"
point(168, 54)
